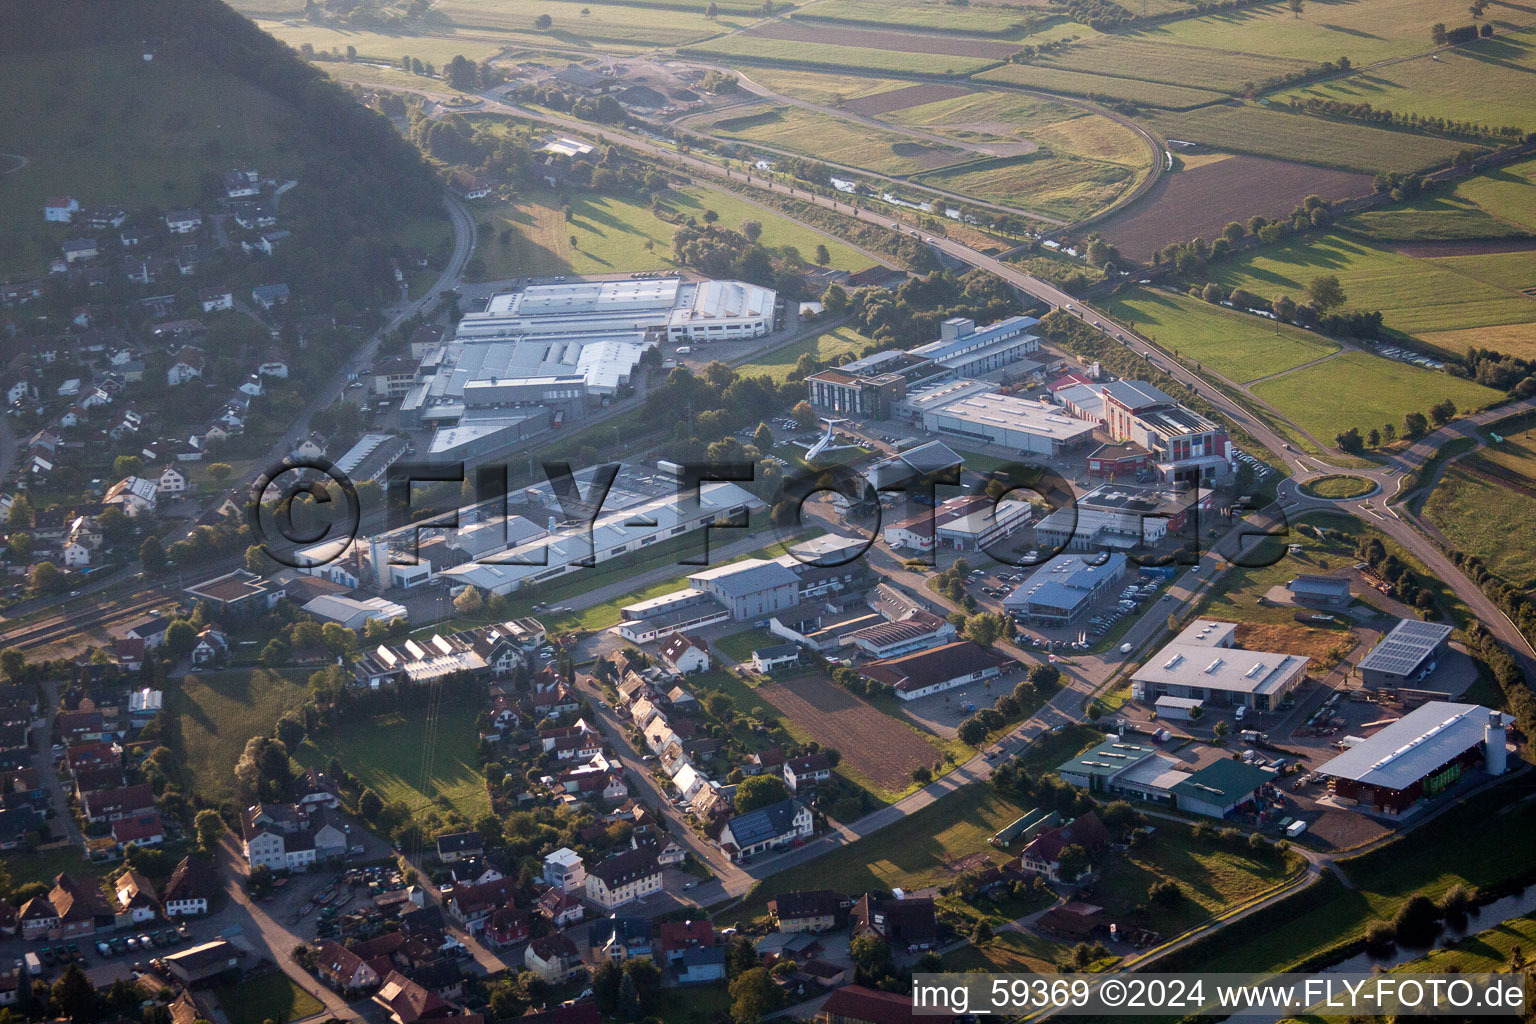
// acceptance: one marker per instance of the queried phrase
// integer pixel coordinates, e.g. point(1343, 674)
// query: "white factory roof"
point(1007, 412)
point(722, 300)
point(1414, 745)
point(1158, 772)
point(1198, 657)
point(984, 518)
point(353, 613)
point(566, 146)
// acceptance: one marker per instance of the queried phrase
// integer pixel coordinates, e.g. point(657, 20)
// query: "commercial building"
point(964, 350)
point(1116, 460)
point(751, 588)
point(1186, 447)
point(926, 460)
point(1319, 591)
point(1063, 588)
point(1406, 655)
point(1204, 663)
point(935, 669)
point(671, 307)
point(873, 386)
point(1022, 424)
point(354, 613)
point(371, 456)
point(1123, 517)
point(1419, 756)
point(1131, 768)
point(1221, 788)
point(1097, 768)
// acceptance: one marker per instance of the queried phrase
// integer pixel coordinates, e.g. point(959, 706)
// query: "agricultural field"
point(1066, 128)
point(612, 233)
point(1438, 219)
point(1346, 145)
point(1081, 83)
point(754, 49)
point(1414, 295)
point(388, 47)
point(1365, 31)
point(219, 711)
point(1356, 389)
point(1484, 512)
point(875, 746)
point(882, 39)
point(1199, 200)
point(982, 19)
point(911, 853)
point(1238, 346)
point(1484, 82)
point(272, 996)
point(832, 139)
point(385, 752)
point(589, 25)
point(1172, 63)
point(169, 122)
point(1057, 185)
point(831, 89)
point(1508, 193)
point(823, 347)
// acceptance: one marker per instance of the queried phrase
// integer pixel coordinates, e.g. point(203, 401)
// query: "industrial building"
point(1319, 591)
point(1132, 768)
point(1204, 663)
point(935, 669)
point(1419, 756)
point(1123, 517)
point(1021, 424)
point(1406, 655)
point(925, 460)
point(872, 386)
point(966, 351)
point(696, 311)
point(1186, 447)
point(1063, 588)
point(371, 456)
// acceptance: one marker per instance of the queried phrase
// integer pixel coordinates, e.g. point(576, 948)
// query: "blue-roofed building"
point(767, 828)
point(1059, 591)
point(268, 295)
point(1319, 591)
point(968, 351)
point(697, 966)
point(751, 588)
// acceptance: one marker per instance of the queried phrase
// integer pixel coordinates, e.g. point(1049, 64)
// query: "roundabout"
point(1339, 487)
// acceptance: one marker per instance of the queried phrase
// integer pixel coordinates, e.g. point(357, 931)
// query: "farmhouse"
point(1406, 655)
point(1063, 588)
point(1419, 756)
point(909, 925)
point(1204, 663)
point(191, 888)
point(855, 1004)
point(1043, 855)
point(936, 669)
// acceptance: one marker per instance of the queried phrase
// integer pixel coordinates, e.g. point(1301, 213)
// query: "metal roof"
point(1111, 757)
point(1414, 745)
point(1405, 648)
point(1224, 781)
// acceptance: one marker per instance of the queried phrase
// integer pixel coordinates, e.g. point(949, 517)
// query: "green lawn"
point(271, 997)
point(1414, 295)
point(1239, 346)
point(739, 646)
point(433, 48)
point(1007, 114)
point(386, 753)
point(830, 55)
point(824, 347)
point(1512, 271)
point(1338, 485)
point(1443, 216)
point(220, 711)
point(1361, 390)
point(1007, 953)
point(1055, 184)
point(1082, 83)
point(831, 138)
point(1483, 517)
point(1507, 192)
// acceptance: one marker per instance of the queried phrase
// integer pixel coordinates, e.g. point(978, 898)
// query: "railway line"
point(66, 624)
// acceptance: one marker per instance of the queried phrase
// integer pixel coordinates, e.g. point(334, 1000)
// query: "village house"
point(623, 878)
point(804, 772)
point(685, 654)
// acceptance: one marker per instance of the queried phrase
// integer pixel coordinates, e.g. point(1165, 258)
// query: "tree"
point(210, 829)
point(19, 544)
point(712, 11)
point(762, 438)
point(1284, 307)
point(823, 257)
point(1296, 7)
point(1072, 862)
point(1437, 33)
point(13, 662)
point(369, 805)
point(1166, 893)
point(1326, 292)
point(290, 730)
point(1221, 730)
point(543, 22)
point(74, 997)
point(218, 472)
point(982, 932)
point(1443, 412)
point(152, 556)
point(984, 628)
point(922, 775)
point(46, 579)
point(805, 415)
point(1417, 923)
point(469, 601)
point(753, 994)
point(759, 791)
point(1415, 425)
point(127, 465)
point(21, 515)
point(1213, 293)
point(180, 638)
point(752, 230)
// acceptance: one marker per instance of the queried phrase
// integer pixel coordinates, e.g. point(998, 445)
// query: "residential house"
point(242, 183)
point(342, 969)
point(552, 957)
point(623, 878)
point(132, 495)
point(774, 656)
point(187, 363)
point(459, 845)
point(184, 222)
point(190, 891)
point(1043, 854)
point(908, 925)
point(560, 908)
point(142, 829)
point(806, 771)
point(855, 1004)
point(60, 209)
point(697, 966)
point(767, 828)
point(405, 1002)
point(172, 480)
point(811, 910)
point(470, 905)
point(269, 295)
point(108, 805)
point(212, 300)
point(74, 906)
point(685, 654)
point(620, 939)
point(136, 895)
point(506, 927)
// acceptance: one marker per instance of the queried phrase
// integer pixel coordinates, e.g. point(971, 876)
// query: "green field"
point(1172, 63)
point(1338, 485)
point(109, 128)
point(271, 997)
point(1365, 31)
point(1053, 184)
point(1508, 193)
point(1512, 271)
point(1438, 218)
point(830, 55)
point(1414, 295)
point(389, 47)
point(220, 711)
point(739, 646)
point(824, 347)
point(1361, 390)
point(1236, 345)
point(830, 138)
point(1488, 518)
point(1346, 145)
point(985, 116)
point(611, 25)
point(612, 231)
point(977, 18)
point(1486, 82)
point(386, 753)
point(1081, 83)
point(824, 87)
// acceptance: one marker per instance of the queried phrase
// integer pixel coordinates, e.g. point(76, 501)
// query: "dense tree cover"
point(911, 314)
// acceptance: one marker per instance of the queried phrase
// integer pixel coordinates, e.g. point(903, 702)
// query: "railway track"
point(60, 627)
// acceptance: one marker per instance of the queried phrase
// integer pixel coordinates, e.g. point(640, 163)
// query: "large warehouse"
point(683, 310)
point(1204, 663)
point(1405, 655)
point(1419, 756)
point(1022, 424)
point(1063, 588)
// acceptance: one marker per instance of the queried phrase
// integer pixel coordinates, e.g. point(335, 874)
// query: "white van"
point(684, 350)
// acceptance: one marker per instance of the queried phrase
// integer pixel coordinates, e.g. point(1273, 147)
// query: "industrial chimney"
point(1495, 756)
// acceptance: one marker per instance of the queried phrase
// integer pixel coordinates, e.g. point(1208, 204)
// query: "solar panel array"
point(1402, 650)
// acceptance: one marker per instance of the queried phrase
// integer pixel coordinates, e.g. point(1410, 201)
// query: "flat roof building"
point(1204, 663)
point(1405, 655)
point(1122, 517)
point(968, 351)
point(1319, 591)
point(1022, 424)
point(1063, 588)
point(1419, 756)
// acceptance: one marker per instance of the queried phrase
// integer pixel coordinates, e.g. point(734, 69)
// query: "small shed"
point(1179, 709)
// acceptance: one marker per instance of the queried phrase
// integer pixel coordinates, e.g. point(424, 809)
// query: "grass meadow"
point(824, 347)
point(832, 55)
point(981, 116)
point(220, 711)
point(1083, 83)
point(269, 997)
point(1486, 517)
point(824, 87)
point(830, 138)
point(1057, 185)
point(1238, 346)
point(1446, 216)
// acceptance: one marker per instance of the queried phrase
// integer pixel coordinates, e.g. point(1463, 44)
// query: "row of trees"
point(1408, 119)
point(1415, 425)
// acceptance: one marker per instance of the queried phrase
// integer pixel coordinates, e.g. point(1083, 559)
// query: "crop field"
point(1513, 271)
point(1508, 193)
point(1356, 389)
point(1237, 346)
point(878, 746)
point(1172, 63)
point(920, 95)
point(220, 711)
point(882, 39)
point(1201, 200)
point(829, 138)
point(910, 853)
point(1365, 31)
point(752, 49)
point(385, 753)
point(832, 89)
point(1439, 218)
point(437, 48)
point(168, 122)
point(823, 347)
point(1413, 295)
point(976, 18)
point(1485, 514)
point(1485, 82)
point(1081, 83)
point(1248, 128)
point(976, 116)
point(611, 25)
point(1056, 185)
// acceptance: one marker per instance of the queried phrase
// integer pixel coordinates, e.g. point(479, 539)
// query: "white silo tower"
point(1495, 757)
